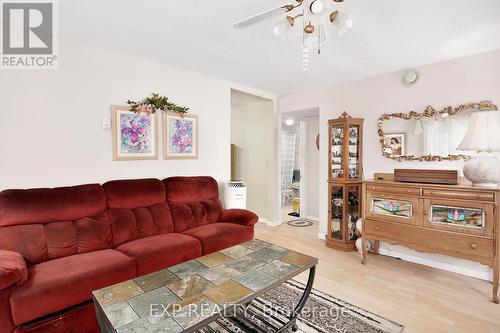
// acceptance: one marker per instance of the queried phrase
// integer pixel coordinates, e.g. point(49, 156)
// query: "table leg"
point(496, 264)
point(363, 246)
point(376, 246)
point(298, 309)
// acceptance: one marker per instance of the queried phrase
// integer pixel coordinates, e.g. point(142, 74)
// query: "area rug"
point(322, 313)
point(300, 223)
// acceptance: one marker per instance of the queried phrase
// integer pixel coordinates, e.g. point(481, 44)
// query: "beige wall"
point(312, 167)
point(252, 134)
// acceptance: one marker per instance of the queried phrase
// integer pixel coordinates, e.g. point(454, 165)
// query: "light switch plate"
point(106, 123)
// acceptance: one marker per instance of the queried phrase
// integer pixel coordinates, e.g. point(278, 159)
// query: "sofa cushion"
point(137, 208)
point(44, 224)
point(161, 251)
point(43, 205)
point(239, 216)
point(58, 284)
point(217, 236)
point(12, 269)
point(194, 201)
point(134, 193)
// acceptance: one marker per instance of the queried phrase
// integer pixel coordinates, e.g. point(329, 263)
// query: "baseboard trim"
point(269, 223)
point(450, 264)
point(312, 218)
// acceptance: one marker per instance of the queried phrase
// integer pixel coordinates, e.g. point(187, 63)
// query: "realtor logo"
point(28, 34)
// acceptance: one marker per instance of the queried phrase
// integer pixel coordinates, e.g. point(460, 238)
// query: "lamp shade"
point(483, 133)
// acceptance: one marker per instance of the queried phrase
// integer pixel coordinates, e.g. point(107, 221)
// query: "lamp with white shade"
point(483, 137)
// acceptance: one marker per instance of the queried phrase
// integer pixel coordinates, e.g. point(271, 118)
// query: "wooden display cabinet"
point(345, 175)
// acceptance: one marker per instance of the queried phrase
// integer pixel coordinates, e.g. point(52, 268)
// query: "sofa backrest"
point(193, 201)
point(137, 208)
point(44, 224)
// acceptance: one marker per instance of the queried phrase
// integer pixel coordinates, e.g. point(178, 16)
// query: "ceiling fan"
point(316, 16)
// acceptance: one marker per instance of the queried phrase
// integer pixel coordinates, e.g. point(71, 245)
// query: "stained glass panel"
point(390, 207)
point(467, 217)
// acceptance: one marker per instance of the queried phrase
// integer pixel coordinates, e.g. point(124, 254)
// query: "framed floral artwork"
point(180, 136)
point(135, 135)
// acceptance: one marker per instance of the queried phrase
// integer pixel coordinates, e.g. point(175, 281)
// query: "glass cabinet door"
point(468, 217)
point(337, 155)
point(337, 212)
point(353, 209)
point(354, 152)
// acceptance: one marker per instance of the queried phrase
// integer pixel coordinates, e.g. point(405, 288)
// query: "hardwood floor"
point(423, 299)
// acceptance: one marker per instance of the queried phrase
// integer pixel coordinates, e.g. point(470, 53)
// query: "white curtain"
point(441, 136)
point(287, 161)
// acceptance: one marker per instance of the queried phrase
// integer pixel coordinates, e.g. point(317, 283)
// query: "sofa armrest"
point(13, 269)
point(239, 216)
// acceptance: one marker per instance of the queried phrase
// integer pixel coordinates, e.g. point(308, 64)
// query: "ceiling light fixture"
point(317, 7)
point(317, 15)
point(289, 122)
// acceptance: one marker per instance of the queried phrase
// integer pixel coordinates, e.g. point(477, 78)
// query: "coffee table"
point(195, 294)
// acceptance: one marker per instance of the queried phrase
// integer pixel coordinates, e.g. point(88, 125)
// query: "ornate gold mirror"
point(431, 135)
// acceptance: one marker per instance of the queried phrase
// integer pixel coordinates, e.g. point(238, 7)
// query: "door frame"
point(274, 163)
point(304, 166)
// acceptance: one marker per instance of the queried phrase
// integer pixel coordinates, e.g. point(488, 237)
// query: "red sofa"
point(58, 245)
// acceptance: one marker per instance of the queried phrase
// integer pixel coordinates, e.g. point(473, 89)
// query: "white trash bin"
point(235, 195)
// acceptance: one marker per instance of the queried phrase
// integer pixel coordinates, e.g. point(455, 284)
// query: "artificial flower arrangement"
point(154, 103)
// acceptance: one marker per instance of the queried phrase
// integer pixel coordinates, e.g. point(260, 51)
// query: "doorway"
point(299, 154)
point(252, 150)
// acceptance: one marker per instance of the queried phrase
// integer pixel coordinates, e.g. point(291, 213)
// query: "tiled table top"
point(183, 297)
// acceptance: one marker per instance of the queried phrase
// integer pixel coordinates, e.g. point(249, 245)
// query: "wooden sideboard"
point(457, 220)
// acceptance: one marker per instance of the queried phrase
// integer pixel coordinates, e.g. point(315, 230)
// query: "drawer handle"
point(377, 228)
point(473, 246)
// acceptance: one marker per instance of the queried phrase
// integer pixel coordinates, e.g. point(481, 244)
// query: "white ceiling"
point(388, 35)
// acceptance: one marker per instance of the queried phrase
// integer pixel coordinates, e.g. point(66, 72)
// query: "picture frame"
point(180, 136)
point(134, 136)
point(395, 144)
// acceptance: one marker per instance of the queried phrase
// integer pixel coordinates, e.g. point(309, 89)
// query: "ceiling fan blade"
point(260, 17)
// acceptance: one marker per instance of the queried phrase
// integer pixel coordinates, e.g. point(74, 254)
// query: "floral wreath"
point(155, 103)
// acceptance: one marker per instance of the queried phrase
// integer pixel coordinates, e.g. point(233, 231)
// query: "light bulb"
point(317, 7)
point(309, 41)
point(281, 28)
point(289, 122)
point(348, 21)
point(277, 31)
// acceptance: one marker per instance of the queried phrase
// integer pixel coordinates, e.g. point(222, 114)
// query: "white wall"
point(252, 132)
point(51, 120)
point(455, 82)
point(312, 167)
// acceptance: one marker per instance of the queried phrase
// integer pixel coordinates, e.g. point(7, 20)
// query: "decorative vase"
point(483, 170)
point(359, 243)
point(359, 225)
